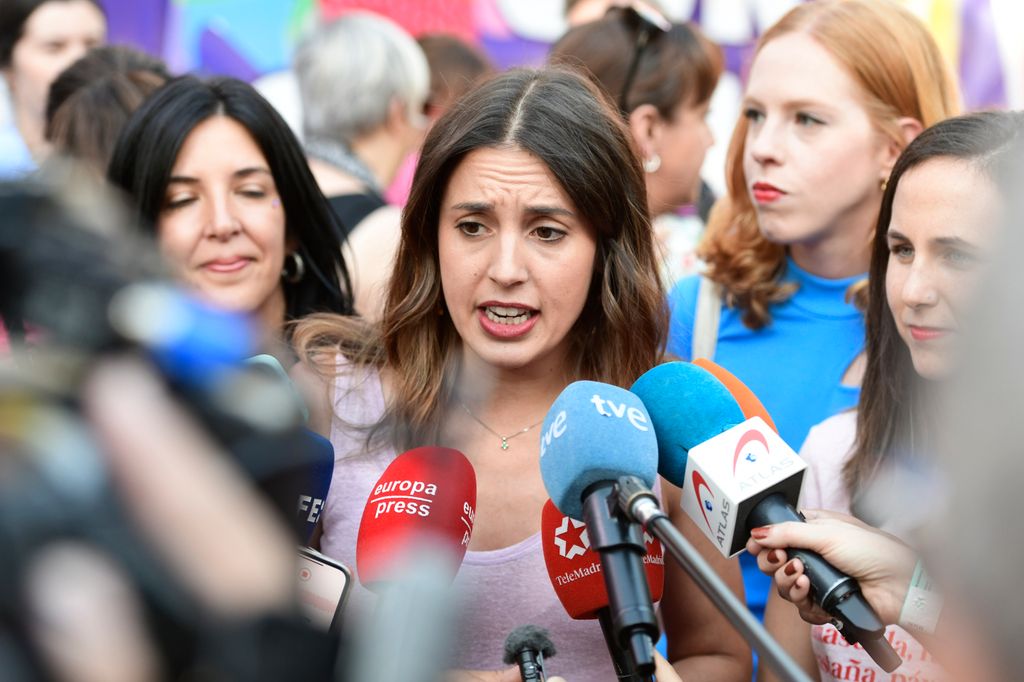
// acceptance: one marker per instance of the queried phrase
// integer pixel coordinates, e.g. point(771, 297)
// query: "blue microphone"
point(593, 434)
point(688, 406)
point(303, 472)
point(314, 483)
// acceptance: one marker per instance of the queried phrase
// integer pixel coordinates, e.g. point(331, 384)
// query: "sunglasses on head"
point(648, 24)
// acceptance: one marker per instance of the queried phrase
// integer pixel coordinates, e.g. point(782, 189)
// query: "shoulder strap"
point(705, 320)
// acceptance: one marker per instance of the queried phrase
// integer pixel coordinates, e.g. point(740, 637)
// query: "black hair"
point(148, 147)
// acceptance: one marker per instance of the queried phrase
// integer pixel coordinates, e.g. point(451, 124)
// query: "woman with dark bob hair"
point(526, 262)
point(217, 174)
point(662, 75)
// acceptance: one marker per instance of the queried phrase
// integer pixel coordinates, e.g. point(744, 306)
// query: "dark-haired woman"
point(936, 229)
point(663, 90)
point(526, 262)
point(38, 40)
point(219, 177)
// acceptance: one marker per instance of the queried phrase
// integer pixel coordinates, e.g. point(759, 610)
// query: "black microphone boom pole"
point(640, 504)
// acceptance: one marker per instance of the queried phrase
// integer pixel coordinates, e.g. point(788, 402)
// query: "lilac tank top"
point(498, 590)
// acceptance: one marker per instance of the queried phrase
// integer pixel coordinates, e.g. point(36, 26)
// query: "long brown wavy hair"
point(891, 420)
point(565, 121)
point(901, 72)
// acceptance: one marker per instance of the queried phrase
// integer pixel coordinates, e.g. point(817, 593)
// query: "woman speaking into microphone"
point(526, 262)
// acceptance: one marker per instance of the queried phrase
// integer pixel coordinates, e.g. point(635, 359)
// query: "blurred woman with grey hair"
point(364, 83)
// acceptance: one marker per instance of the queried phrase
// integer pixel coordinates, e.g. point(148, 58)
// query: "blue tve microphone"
point(593, 434)
point(744, 476)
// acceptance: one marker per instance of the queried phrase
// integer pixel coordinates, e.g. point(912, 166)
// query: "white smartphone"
point(323, 587)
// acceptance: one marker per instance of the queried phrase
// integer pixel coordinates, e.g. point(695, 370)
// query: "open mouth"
point(508, 315)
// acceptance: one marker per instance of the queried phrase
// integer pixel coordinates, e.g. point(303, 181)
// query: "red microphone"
point(575, 573)
point(412, 539)
point(424, 501)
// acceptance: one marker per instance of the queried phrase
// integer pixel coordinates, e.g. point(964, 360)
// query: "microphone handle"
point(621, 548)
point(531, 665)
point(623, 667)
point(837, 593)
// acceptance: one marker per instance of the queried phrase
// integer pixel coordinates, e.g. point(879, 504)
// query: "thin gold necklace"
point(504, 439)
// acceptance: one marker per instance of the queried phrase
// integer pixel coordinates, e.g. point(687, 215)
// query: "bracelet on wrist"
point(923, 604)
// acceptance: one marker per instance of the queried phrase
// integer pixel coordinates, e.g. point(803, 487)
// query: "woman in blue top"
point(835, 91)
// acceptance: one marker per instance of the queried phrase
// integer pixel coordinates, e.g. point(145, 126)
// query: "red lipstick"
point(765, 193)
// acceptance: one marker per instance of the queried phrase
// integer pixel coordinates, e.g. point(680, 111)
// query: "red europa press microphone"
point(412, 539)
point(424, 501)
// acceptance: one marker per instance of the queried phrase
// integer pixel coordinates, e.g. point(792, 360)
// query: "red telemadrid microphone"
point(412, 539)
point(575, 573)
point(424, 500)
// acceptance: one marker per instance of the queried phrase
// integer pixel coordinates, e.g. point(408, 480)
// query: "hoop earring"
point(652, 163)
point(294, 268)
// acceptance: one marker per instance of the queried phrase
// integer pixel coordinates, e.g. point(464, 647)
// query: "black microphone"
point(527, 646)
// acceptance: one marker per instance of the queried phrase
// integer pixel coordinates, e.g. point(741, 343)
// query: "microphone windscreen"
point(687, 406)
point(594, 432)
point(748, 402)
point(424, 500)
point(575, 569)
point(314, 483)
point(527, 637)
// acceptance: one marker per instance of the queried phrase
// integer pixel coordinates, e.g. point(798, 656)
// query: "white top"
point(826, 450)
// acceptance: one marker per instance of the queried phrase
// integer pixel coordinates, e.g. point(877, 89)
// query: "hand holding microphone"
point(737, 474)
point(881, 563)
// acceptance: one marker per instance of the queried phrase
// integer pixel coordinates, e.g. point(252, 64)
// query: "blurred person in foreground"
point(364, 84)
point(132, 522)
point(527, 261)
